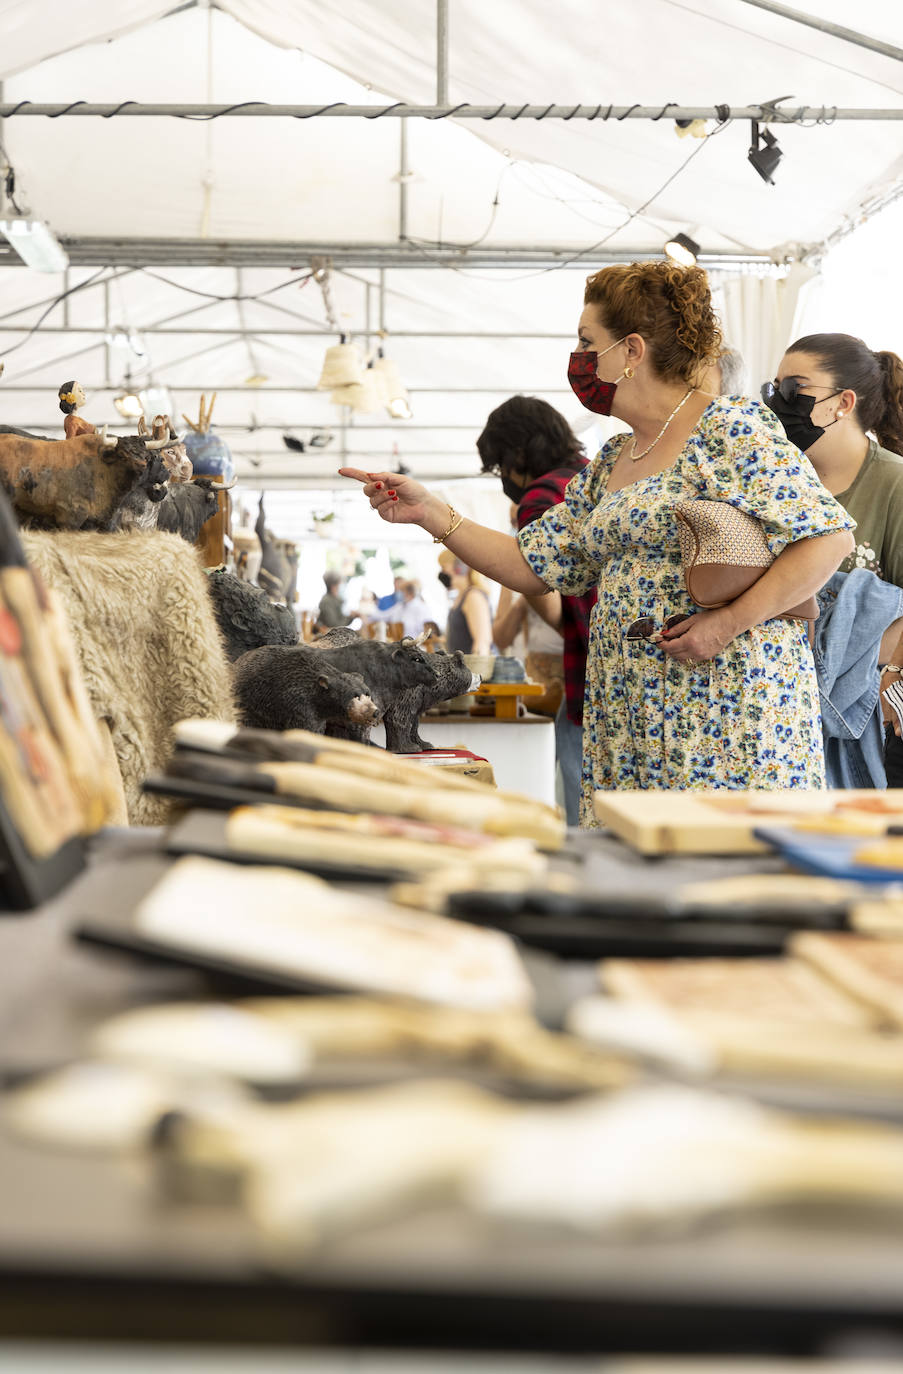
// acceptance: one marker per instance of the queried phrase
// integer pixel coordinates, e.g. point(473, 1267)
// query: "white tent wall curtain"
point(759, 316)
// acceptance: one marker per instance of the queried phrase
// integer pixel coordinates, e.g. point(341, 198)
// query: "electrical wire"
point(474, 243)
point(51, 307)
point(594, 247)
point(235, 296)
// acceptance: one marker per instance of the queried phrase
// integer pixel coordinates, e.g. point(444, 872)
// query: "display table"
point(521, 751)
point(88, 1248)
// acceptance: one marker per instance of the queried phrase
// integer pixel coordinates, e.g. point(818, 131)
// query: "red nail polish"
point(391, 492)
point(379, 486)
point(394, 498)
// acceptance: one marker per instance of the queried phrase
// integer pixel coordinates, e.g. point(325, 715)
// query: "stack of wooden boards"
point(330, 801)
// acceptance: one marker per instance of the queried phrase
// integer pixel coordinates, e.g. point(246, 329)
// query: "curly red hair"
point(670, 306)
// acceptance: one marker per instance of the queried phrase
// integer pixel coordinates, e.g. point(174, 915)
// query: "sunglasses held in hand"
point(647, 627)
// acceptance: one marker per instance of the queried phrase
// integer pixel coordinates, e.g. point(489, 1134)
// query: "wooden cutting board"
point(720, 821)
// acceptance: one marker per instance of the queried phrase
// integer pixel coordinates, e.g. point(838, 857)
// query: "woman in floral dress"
point(724, 698)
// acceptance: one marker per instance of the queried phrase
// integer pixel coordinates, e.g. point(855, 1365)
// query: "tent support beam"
point(245, 390)
point(266, 331)
point(862, 40)
point(404, 174)
point(441, 52)
point(163, 253)
point(259, 109)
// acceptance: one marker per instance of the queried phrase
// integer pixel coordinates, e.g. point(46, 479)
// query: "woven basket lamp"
point(395, 395)
point(365, 396)
point(343, 366)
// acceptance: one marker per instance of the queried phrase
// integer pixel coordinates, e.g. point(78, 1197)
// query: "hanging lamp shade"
point(395, 394)
point(343, 366)
point(365, 395)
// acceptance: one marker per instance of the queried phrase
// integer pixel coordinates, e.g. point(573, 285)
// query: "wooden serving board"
point(722, 822)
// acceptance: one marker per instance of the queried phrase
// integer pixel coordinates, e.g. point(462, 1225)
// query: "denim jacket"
point(855, 609)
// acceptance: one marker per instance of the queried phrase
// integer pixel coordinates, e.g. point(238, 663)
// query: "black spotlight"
point(765, 159)
point(682, 249)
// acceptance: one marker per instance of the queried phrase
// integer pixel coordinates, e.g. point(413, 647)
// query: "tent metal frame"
point(769, 112)
point(157, 252)
point(812, 21)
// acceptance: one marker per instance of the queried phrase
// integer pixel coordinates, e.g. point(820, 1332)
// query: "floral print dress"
point(748, 718)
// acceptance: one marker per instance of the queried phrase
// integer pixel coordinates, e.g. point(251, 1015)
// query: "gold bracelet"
point(455, 522)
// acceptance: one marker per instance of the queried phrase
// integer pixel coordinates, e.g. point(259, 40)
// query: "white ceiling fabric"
point(704, 51)
point(334, 181)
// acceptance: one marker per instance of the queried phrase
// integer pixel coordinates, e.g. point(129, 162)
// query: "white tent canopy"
point(156, 193)
point(651, 51)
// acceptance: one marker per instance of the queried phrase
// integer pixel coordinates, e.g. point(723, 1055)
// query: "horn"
point(107, 441)
point(227, 486)
point(142, 428)
point(154, 444)
point(423, 636)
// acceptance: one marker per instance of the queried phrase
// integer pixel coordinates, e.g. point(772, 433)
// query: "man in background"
point(411, 610)
point(331, 612)
point(394, 598)
point(535, 453)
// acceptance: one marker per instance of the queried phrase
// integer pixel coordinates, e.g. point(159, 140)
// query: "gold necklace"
point(635, 457)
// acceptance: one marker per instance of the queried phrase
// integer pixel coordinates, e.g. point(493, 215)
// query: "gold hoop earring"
point(628, 372)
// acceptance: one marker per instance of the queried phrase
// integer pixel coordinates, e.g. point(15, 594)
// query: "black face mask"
point(512, 490)
point(445, 579)
point(794, 411)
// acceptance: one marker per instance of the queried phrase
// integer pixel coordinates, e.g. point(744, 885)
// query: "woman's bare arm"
point(509, 618)
point(479, 620)
point(798, 572)
point(548, 608)
point(402, 501)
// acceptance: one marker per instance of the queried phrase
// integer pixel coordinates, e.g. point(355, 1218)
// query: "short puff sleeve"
point(743, 457)
point(552, 544)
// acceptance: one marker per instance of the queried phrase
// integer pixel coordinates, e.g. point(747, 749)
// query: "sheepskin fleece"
point(148, 641)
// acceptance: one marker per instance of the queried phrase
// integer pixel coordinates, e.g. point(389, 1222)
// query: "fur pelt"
point(147, 639)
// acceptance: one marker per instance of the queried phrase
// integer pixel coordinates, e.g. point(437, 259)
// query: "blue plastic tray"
point(830, 856)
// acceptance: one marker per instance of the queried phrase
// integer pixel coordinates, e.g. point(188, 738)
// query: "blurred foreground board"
point(274, 919)
point(723, 822)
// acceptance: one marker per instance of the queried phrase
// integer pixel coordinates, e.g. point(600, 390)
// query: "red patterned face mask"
point(589, 389)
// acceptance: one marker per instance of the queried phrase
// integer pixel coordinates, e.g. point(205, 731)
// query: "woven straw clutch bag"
point(724, 551)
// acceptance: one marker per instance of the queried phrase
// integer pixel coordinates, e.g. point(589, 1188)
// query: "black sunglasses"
point(789, 388)
point(647, 627)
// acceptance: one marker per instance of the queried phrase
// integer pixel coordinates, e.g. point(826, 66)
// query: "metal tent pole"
point(260, 109)
point(862, 40)
point(441, 52)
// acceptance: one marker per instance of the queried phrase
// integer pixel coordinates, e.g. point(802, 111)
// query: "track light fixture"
point(765, 159)
point(35, 242)
point(682, 249)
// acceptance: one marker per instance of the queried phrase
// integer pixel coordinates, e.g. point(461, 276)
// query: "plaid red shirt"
point(547, 491)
